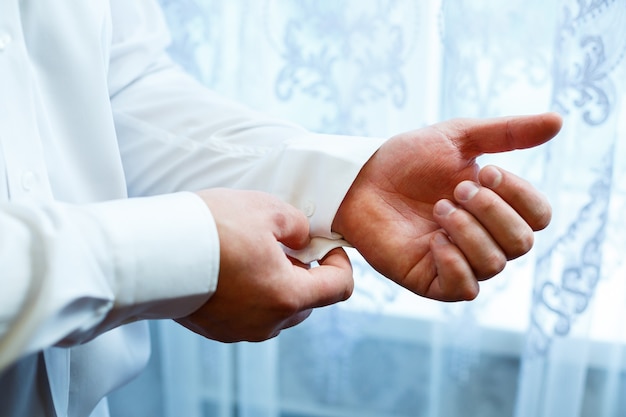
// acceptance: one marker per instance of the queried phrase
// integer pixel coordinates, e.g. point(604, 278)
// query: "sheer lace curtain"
point(546, 338)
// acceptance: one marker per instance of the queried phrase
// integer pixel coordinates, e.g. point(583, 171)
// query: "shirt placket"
point(25, 174)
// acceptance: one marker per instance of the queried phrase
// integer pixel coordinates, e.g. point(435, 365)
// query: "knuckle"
point(263, 335)
point(287, 307)
point(521, 245)
point(460, 219)
point(493, 265)
point(286, 217)
point(491, 203)
point(348, 292)
point(543, 219)
point(279, 219)
point(468, 293)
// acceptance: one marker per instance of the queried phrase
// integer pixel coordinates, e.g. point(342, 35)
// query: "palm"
point(400, 202)
point(388, 212)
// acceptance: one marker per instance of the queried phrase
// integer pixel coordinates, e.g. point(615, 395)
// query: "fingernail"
point(441, 239)
point(490, 176)
point(465, 190)
point(444, 208)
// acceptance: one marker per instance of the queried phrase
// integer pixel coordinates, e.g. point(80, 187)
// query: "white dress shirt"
point(101, 139)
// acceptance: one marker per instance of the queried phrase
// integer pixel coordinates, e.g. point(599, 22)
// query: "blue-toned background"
point(545, 339)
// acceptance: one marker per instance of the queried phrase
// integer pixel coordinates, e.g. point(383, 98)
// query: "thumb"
point(477, 136)
point(328, 283)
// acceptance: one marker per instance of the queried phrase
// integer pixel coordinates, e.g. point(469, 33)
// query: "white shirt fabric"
point(101, 139)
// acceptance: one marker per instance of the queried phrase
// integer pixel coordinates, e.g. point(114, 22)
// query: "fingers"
point(477, 136)
point(329, 283)
point(531, 205)
point(490, 223)
point(481, 251)
point(455, 279)
point(290, 225)
point(498, 220)
point(261, 290)
point(252, 211)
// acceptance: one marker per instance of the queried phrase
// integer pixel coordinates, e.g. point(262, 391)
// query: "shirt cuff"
point(317, 248)
point(166, 255)
point(334, 162)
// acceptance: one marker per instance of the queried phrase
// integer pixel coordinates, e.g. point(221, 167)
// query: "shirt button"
point(29, 180)
point(308, 208)
point(5, 40)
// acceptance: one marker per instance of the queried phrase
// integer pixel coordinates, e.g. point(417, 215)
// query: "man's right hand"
point(260, 290)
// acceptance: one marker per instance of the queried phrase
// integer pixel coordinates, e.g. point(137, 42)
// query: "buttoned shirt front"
point(102, 138)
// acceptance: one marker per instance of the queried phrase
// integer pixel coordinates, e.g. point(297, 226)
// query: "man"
point(130, 193)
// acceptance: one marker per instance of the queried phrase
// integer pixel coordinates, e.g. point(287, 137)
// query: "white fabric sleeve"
point(77, 271)
point(175, 135)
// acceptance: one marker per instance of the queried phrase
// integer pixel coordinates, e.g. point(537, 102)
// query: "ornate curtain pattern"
point(546, 338)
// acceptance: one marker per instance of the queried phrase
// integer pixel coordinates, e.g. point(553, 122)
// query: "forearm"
point(177, 135)
point(73, 272)
point(174, 134)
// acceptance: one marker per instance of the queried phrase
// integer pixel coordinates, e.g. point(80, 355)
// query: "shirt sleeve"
point(78, 271)
point(175, 134)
